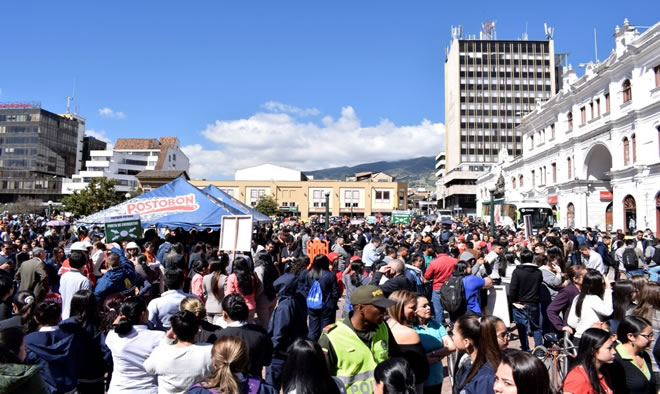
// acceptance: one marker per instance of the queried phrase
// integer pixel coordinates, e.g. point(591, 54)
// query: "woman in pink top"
point(243, 281)
point(200, 267)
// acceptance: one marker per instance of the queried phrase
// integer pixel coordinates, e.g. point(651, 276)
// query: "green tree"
point(97, 196)
point(268, 206)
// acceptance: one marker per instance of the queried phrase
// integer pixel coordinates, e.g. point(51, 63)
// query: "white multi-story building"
point(129, 157)
point(593, 150)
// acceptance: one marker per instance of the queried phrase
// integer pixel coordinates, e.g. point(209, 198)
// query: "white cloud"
point(107, 112)
point(100, 135)
point(281, 139)
point(274, 106)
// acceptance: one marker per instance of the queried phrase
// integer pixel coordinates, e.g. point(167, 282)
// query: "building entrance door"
point(608, 218)
point(629, 214)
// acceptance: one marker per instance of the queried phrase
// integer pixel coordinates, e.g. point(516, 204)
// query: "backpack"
point(452, 294)
point(656, 255)
point(315, 296)
point(629, 259)
point(445, 235)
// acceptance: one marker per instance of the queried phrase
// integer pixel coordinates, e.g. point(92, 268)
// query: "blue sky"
point(305, 84)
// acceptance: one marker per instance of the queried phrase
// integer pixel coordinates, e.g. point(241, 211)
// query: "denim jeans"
point(638, 271)
point(653, 271)
point(438, 311)
point(528, 317)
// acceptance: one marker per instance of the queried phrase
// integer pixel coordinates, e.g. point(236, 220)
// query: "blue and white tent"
point(176, 204)
point(257, 217)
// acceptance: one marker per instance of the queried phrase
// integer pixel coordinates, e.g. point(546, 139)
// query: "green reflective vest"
point(355, 361)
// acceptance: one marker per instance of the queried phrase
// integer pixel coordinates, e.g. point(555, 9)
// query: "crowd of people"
point(174, 314)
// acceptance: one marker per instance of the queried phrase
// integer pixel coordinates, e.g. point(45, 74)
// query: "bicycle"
point(556, 358)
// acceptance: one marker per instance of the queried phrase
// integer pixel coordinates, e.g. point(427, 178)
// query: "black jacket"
point(525, 285)
point(400, 282)
point(628, 379)
point(260, 348)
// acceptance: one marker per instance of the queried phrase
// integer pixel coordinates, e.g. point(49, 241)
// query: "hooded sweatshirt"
point(525, 285)
point(120, 279)
point(55, 351)
point(289, 320)
point(21, 378)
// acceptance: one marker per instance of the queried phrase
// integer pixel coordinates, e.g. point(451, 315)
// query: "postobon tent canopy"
point(257, 217)
point(176, 204)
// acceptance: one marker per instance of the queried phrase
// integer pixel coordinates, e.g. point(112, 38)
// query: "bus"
point(509, 213)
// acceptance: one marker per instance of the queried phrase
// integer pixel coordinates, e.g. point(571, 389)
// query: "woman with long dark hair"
point(305, 371)
point(244, 282)
point(476, 337)
point(520, 372)
point(131, 343)
point(230, 359)
point(586, 377)
point(564, 299)
point(593, 305)
point(632, 371)
point(394, 376)
point(16, 376)
point(323, 313)
point(84, 324)
point(213, 286)
point(623, 294)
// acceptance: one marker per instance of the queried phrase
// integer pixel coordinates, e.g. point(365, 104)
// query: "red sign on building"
point(552, 199)
point(606, 196)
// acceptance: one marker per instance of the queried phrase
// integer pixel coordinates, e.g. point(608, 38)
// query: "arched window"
point(627, 91)
point(569, 118)
point(513, 182)
point(633, 139)
point(569, 164)
point(521, 181)
point(626, 151)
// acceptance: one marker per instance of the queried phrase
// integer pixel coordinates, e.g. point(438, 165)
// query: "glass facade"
point(37, 149)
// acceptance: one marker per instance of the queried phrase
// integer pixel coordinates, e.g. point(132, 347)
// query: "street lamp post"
point(50, 209)
point(492, 210)
point(327, 210)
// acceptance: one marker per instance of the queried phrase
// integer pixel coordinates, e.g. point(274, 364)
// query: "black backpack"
point(656, 255)
point(452, 294)
point(629, 259)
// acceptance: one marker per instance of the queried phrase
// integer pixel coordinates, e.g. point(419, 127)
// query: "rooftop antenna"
point(69, 99)
point(526, 36)
point(488, 29)
point(595, 45)
point(549, 31)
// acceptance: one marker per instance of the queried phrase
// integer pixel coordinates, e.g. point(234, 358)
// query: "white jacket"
point(594, 310)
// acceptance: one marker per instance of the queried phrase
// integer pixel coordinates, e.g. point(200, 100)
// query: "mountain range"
point(419, 171)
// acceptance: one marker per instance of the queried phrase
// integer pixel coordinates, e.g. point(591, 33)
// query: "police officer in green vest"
point(354, 346)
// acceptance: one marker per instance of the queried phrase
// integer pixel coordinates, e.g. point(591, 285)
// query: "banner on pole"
point(236, 233)
point(122, 228)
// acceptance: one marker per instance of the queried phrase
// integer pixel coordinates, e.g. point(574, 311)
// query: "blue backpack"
point(315, 296)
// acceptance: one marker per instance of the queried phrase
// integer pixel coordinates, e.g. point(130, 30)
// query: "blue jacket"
point(481, 383)
point(604, 253)
point(56, 352)
point(289, 320)
point(96, 359)
point(118, 280)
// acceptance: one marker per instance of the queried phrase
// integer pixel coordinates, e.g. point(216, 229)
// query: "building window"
point(531, 142)
point(351, 198)
point(607, 103)
point(633, 139)
point(598, 107)
point(382, 196)
point(513, 182)
point(626, 151)
point(656, 71)
point(569, 164)
point(318, 199)
point(627, 91)
point(229, 191)
point(583, 115)
point(591, 106)
point(256, 195)
point(552, 131)
point(569, 118)
point(521, 181)
point(554, 173)
point(533, 178)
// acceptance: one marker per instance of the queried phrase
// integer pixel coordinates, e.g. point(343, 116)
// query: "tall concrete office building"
point(490, 85)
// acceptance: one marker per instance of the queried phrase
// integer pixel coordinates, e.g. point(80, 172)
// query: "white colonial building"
point(592, 151)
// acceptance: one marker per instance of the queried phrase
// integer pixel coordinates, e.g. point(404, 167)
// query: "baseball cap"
point(356, 258)
point(132, 245)
point(79, 246)
point(332, 256)
point(370, 295)
point(466, 256)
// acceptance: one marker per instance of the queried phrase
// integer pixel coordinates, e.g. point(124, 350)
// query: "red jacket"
point(440, 270)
